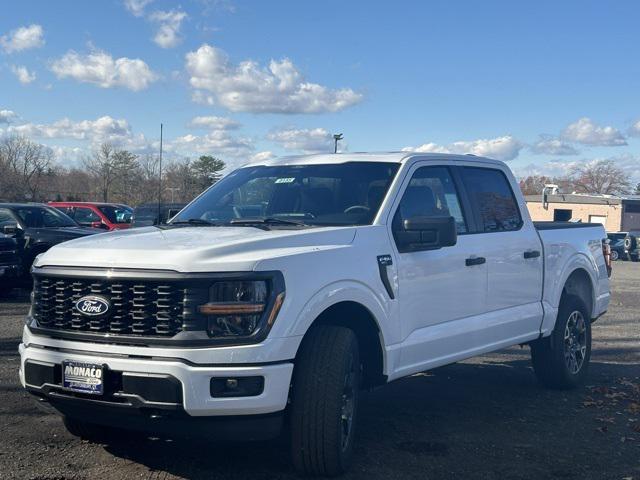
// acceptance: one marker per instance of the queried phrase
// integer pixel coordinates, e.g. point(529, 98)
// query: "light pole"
point(336, 137)
point(173, 191)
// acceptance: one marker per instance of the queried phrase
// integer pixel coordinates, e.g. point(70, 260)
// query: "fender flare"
point(338, 292)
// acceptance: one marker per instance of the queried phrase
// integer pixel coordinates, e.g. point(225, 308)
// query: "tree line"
point(29, 172)
point(601, 177)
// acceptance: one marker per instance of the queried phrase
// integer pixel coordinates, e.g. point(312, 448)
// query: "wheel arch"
point(580, 284)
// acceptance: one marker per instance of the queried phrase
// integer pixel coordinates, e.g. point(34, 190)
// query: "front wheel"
point(614, 255)
point(325, 401)
point(562, 359)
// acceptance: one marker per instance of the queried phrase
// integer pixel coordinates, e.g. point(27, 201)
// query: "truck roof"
point(389, 157)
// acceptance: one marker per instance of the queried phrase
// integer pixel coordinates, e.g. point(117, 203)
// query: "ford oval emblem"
point(92, 306)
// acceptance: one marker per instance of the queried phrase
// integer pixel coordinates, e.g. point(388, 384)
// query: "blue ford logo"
point(92, 306)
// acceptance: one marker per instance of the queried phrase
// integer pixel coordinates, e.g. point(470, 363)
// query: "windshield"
point(39, 217)
point(116, 213)
point(342, 194)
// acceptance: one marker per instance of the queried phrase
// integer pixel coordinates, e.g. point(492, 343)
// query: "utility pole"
point(336, 138)
point(160, 181)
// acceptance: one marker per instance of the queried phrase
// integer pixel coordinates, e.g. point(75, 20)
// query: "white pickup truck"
point(290, 285)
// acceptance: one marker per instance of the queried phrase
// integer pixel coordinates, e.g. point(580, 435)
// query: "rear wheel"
point(614, 255)
point(325, 401)
point(562, 359)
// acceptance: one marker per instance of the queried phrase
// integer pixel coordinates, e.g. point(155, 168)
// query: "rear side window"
point(490, 191)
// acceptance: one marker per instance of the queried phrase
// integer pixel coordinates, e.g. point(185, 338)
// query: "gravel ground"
point(483, 418)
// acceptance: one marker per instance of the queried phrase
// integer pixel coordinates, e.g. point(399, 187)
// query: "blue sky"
point(543, 85)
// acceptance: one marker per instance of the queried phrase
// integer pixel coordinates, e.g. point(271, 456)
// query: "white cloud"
point(23, 38)
point(214, 123)
point(100, 68)
point(588, 133)
point(501, 148)
point(306, 140)
point(103, 129)
point(169, 23)
point(262, 156)
point(634, 130)
point(7, 116)
point(136, 7)
point(249, 87)
point(217, 143)
point(23, 74)
point(549, 145)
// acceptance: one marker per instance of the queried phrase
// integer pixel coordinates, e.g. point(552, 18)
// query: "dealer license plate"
point(83, 377)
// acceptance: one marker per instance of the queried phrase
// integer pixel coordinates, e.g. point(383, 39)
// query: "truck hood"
point(192, 249)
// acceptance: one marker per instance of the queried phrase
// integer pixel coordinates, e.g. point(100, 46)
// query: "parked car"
point(617, 242)
point(632, 244)
point(149, 214)
point(108, 216)
point(36, 227)
point(291, 284)
point(9, 263)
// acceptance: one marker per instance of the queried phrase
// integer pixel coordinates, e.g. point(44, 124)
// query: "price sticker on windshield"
point(285, 180)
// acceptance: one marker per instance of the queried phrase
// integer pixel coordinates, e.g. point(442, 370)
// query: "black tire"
point(614, 255)
point(327, 371)
point(634, 258)
point(551, 356)
point(88, 431)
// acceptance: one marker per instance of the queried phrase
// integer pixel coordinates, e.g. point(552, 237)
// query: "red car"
point(108, 216)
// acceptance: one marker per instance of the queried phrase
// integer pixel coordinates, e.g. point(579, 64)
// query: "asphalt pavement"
point(485, 418)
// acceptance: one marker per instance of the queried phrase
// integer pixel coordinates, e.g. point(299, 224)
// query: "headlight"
point(241, 308)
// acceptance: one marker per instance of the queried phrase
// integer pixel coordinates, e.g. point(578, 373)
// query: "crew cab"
point(292, 284)
point(108, 216)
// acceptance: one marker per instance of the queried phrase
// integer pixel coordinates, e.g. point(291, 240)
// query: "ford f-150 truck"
point(290, 285)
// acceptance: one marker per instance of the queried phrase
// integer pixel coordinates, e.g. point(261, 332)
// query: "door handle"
point(469, 262)
point(531, 254)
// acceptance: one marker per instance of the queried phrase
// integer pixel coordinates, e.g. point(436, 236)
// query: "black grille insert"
point(147, 308)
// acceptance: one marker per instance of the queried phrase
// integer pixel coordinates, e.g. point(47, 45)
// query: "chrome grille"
point(149, 308)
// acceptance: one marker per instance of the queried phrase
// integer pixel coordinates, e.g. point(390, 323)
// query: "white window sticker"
point(285, 180)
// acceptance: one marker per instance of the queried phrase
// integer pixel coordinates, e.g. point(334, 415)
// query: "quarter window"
point(86, 215)
point(490, 191)
point(431, 193)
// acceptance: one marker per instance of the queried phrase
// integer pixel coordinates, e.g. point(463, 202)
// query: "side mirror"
point(426, 233)
point(11, 230)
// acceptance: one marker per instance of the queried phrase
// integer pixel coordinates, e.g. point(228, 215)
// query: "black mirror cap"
point(10, 230)
point(426, 233)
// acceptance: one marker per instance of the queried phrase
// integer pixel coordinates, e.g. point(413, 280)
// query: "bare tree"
point(601, 177)
point(533, 184)
point(112, 168)
point(24, 166)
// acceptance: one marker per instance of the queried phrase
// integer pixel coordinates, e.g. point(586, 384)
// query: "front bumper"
point(194, 381)
point(8, 274)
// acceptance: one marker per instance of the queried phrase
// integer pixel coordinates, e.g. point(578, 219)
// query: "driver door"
point(441, 292)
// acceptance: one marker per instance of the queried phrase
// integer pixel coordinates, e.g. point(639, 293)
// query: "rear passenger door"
point(513, 251)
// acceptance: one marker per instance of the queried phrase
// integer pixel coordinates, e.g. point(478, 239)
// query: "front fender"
point(344, 291)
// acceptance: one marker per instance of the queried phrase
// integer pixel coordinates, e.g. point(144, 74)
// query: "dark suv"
point(9, 263)
point(35, 228)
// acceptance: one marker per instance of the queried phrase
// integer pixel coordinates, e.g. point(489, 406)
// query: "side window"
point(431, 193)
point(6, 218)
point(86, 215)
point(490, 191)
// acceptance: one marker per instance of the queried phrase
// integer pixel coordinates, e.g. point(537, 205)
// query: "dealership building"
point(616, 213)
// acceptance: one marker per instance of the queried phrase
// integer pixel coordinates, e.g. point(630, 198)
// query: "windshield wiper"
point(195, 221)
point(266, 221)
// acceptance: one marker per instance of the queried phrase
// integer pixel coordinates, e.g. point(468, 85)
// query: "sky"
point(545, 85)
